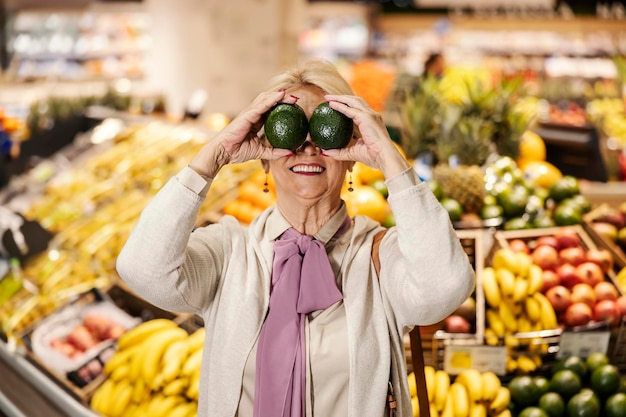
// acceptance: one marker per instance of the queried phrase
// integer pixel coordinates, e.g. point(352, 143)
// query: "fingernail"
point(296, 97)
point(323, 154)
point(290, 154)
point(282, 90)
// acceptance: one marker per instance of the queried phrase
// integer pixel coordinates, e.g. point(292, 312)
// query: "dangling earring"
point(350, 182)
point(265, 184)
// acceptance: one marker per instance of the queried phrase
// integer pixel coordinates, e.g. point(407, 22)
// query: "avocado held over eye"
point(329, 128)
point(286, 126)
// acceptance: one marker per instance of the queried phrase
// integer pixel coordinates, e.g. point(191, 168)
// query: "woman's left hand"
point(374, 148)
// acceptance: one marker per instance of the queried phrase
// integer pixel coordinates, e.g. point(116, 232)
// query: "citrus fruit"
point(615, 405)
point(553, 404)
point(329, 128)
point(543, 221)
point(566, 215)
point(584, 404)
point(366, 201)
point(516, 223)
point(389, 221)
point(532, 147)
point(566, 383)
point(533, 412)
point(453, 207)
point(286, 126)
point(542, 383)
point(606, 380)
point(365, 174)
point(541, 173)
point(573, 363)
point(491, 211)
point(523, 390)
point(435, 187)
point(564, 188)
point(503, 165)
point(381, 187)
point(513, 200)
point(596, 359)
point(582, 202)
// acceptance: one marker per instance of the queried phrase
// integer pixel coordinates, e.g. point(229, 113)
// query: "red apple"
point(605, 291)
point(574, 255)
point(621, 305)
point(601, 257)
point(550, 279)
point(567, 238)
point(560, 298)
point(606, 310)
point(567, 275)
point(590, 273)
point(546, 257)
point(578, 314)
point(518, 245)
point(583, 293)
point(457, 324)
point(546, 240)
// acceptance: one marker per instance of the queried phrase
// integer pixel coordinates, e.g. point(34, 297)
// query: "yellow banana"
point(532, 309)
point(508, 318)
point(156, 345)
point(433, 410)
point(121, 372)
point(415, 405)
point(504, 413)
point(506, 281)
point(524, 325)
point(142, 331)
point(535, 279)
point(102, 396)
point(192, 364)
point(196, 339)
point(491, 384)
point(442, 384)
point(473, 382)
point(141, 390)
point(448, 407)
point(523, 264)
point(183, 409)
point(460, 399)
point(501, 401)
point(171, 363)
point(495, 322)
point(526, 364)
point(478, 410)
point(511, 364)
point(412, 384)
point(504, 258)
point(429, 371)
point(490, 287)
point(167, 404)
point(491, 338)
point(520, 291)
point(194, 387)
point(120, 398)
point(548, 316)
point(120, 358)
point(176, 387)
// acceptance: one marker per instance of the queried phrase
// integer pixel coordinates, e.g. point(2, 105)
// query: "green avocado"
point(329, 128)
point(286, 126)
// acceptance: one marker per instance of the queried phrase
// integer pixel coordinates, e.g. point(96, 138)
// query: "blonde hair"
point(314, 72)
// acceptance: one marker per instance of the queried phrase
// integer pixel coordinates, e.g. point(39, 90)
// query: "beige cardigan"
point(222, 272)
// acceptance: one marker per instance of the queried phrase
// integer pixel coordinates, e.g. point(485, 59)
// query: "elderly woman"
point(298, 322)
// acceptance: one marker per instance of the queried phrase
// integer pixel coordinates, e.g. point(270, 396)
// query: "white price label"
point(583, 343)
point(482, 358)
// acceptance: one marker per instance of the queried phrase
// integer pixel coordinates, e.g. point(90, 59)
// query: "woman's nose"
point(309, 147)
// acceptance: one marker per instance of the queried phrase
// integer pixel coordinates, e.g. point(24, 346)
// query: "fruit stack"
point(471, 393)
point(154, 372)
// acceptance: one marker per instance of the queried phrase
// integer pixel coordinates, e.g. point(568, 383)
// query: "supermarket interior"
point(520, 133)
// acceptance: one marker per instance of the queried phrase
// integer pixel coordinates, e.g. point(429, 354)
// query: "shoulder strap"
point(417, 354)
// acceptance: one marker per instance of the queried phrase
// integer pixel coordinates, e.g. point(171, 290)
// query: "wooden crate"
point(603, 242)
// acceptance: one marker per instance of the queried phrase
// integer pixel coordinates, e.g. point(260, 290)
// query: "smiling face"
point(308, 177)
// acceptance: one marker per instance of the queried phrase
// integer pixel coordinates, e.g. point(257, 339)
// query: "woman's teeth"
point(307, 168)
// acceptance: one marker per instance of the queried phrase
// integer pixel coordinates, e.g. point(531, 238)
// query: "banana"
point(120, 358)
point(141, 390)
point(194, 387)
point(526, 364)
point(142, 331)
point(168, 404)
point(491, 338)
point(442, 384)
point(120, 398)
point(532, 308)
point(176, 387)
point(433, 410)
point(460, 399)
point(183, 409)
point(508, 318)
point(495, 322)
point(548, 316)
point(524, 325)
point(102, 396)
point(490, 287)
point(504, 258)
point(473, 382)
point(523, 264)
point(506, 281)
point(192, 364)
point(500, 402)
point(478, 410)
point(504, 413)
point(520, 291)
point(156, 345)
point(171, 363)
point(535, 279)
point(491, 384)
point(448, 407)
point(511, 364)
point(429, 371)
point(195, 340)
point(121, 372)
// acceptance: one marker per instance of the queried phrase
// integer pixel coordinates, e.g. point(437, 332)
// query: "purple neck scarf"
point(302, 282)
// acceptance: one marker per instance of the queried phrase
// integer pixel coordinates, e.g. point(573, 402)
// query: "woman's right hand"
point(238, 142)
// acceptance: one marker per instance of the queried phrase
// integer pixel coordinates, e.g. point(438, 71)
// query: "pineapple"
point(465, 183)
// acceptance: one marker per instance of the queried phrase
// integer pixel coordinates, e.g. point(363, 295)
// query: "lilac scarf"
point(302, 282)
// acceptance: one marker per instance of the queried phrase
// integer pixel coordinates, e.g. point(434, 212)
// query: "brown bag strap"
point(417, 354)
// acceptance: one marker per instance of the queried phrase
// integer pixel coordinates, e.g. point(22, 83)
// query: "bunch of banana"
point(470, 394)
point(516, 306)
point(155, 371)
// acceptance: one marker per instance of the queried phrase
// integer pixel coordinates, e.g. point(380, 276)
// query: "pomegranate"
point(550, 279)
point(518, 245)
point(560, 298)
point(578, 314)
point(574, 256)
point(546, 257)
point(621, 305)
point(605, 291)
point(567, 238)
point(606, 310)
point(601, 257)
point(590, 273)
point(546, 240)
point(583, 293)
point(567, 275)
point(457, 324)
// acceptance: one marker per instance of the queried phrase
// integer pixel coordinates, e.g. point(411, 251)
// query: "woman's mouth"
point(307, 169)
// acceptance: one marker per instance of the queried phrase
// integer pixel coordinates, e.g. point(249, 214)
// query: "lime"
point(584, 404)
point(490, 212)
point(286, 126)
point(503, 165)
point(523, 390)
point(596, 359)
point(542, 383)
point(516, 223)
point(553, 404)
point(533, 412)
point(566, 214)
point(605, 380)
point(583, 202)
point(381, 187)
point(490, 200)
point(543, 220)
point(435, 187)
point(565, 383)
point(389, 221)
point(513, 200)
point(573, 363)
point(453, 207)
point(329, 128)
point(615, 405)
point(564, 188)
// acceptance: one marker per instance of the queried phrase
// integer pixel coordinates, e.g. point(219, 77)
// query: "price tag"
point(482, 358)
point(583, 343)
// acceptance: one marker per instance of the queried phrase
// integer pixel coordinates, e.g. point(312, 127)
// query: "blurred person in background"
point(434, 65)
point(298, 322)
